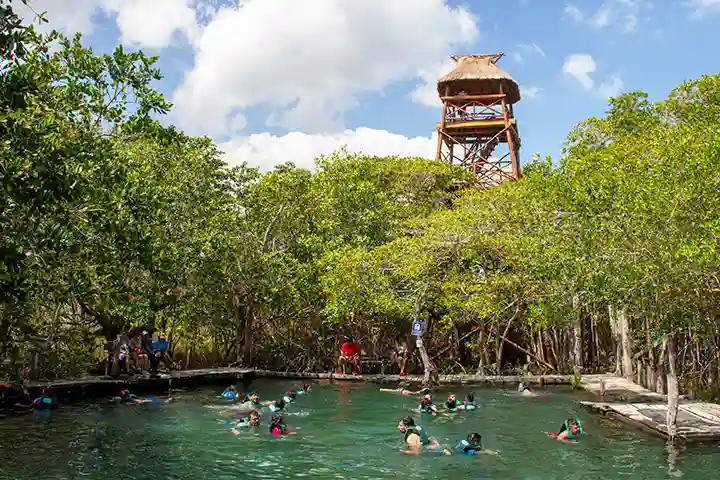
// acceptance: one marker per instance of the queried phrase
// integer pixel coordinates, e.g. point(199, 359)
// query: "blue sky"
point(278, 80)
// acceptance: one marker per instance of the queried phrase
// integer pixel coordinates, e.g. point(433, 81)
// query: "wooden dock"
point(696, 421)
point(619, 388)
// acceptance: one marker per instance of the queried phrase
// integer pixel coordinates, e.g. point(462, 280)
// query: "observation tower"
point(478, 129)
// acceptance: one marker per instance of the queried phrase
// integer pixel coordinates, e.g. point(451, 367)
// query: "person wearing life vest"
point(289, 396)
point(472, 445)
point(230, 393)
point(469, 403)
point(452, 403)
point(278, 405)
point(427, 405)
point(253, 420)
point(572, 429)
point(305, 390)
point(46, 401)
point(417, 439)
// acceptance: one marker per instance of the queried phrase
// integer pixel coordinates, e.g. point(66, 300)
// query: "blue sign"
point(416, 328)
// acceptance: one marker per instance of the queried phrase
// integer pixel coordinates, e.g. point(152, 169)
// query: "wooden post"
point(673, 393)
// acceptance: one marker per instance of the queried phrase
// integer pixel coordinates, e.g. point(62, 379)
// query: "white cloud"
point(622, 13)
point(580, 66)
point(527, 49)
point(426, 93)
point(530, 93)
point(142, 23)
point(265, 151)
point(612, 87)
point(703, 7)
point(308, 61)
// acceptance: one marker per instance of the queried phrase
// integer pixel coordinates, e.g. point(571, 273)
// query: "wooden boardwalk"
point(696, 421)
point(612, 387)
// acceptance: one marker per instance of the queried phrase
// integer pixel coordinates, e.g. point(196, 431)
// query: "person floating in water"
point(278, 405)
point(230, 393)
point(427, 405)
point(253, 420)
point(402, 390)
point(570, 430)
point(289, 396)
point(471, 445)
point(277, 425)
point(524, 389)
point(417, 440)
point(304, 390)
point(127, 398)
point(46, 401)
point(469, 403)
point(452, 405)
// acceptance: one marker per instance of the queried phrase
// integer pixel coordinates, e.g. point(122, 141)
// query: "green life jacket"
point(424, 440)
point(287, 399)
point(569, 431)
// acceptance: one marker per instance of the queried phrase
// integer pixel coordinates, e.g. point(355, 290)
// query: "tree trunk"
point(673, 394)
point(237, 313)
point(650, 381)
point(615, 329)
point(248, 337)
point(430, 376)
point(482, 360)
point(577, 355)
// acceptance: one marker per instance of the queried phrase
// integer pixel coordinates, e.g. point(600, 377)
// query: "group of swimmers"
point(250, 407)
point(417, 439)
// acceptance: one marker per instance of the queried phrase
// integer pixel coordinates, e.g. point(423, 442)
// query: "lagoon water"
point(344, 431)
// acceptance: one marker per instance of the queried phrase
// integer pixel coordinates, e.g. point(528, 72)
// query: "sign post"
point(416, 331)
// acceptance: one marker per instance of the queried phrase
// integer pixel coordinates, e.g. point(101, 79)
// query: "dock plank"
point(696, 421)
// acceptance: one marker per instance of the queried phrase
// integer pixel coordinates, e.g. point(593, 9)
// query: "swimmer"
point(471, 445)
point(524, 389)
point(249, 403)
point(277, 425)
point(571, 430)
point(305, 390)
point(46, 401)
point(128, 398)
point(253, 420)
point(452, 404)
point(277, 405)
point(290, 396)
point(230, 393)
point(416, 438)
point(404, 391)
point(469, 403)
point(427, 406)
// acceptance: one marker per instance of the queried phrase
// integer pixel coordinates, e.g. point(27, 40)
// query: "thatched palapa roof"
point(478, 75)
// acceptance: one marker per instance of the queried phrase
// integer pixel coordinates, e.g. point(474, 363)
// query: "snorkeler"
point(253, 420)
point(427, 405)
point(417, 439)
point(230, 393)
point(127, 398)
point(471, 445)
point(469, 403)
point(571, 430)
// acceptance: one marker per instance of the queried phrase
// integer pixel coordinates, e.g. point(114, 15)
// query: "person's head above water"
point(470, 397)
point(254, 418)
point(474, 439)
point(277, 424)
point(47, 392)
point(406, 423)
point(307, 387)
point(451, 400)
point(291, 394)
point(427, 399)
point(573, 426)
point(523, 386)
point(252, 397)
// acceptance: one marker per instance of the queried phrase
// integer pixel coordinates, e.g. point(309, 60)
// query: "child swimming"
point(524, 389)
point(277, 425)
point(452, 404)
point(417, 440)
point(253, 420)
point(427, 406)
point(471, 445)
point(570, 430)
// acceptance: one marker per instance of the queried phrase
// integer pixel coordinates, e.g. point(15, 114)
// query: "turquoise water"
point(345, 431)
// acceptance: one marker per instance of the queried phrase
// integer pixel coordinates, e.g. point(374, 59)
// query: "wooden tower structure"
point(477, 118)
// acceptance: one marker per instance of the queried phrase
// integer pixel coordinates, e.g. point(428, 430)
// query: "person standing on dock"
point(349, 351)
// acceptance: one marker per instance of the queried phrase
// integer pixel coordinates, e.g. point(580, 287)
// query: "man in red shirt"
point(348, 351)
